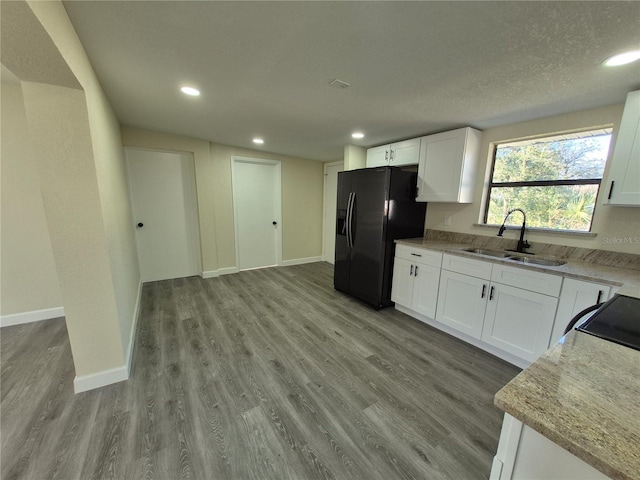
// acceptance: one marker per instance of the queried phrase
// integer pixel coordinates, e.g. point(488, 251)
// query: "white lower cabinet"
point(402, 286)
point(425, 289)
point(577, 295)
point(416, 276)
point(520, 311)
point(516, 318)
point(518, 321)
point(512, 312)
point(461, 302)
point(524, 454)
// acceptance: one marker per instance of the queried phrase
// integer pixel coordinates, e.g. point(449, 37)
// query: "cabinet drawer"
point(527, 279)
point(419, 255)
point(467, 266)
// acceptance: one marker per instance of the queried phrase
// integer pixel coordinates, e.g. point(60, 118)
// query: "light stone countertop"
point(580, 270)
point(584, 395)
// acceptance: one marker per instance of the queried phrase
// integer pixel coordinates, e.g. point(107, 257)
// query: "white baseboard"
point(228, 270)
point(134, 330)
point(506, 356)
point(285, 263)
point(100, 379)
point(220, 271)
point(301, 261)
point(33, 316)
point(118, 374)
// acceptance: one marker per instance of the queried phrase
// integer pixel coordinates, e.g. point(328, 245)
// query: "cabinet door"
point(425, 289)
point(576, 295)
point(378, 156)
point(461, 302)
point(623, 187)
point(405, 153)
point(447, 166)
point(402, 282)
point(519, 321)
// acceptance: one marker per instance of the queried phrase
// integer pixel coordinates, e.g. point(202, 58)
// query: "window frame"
point(545, 183)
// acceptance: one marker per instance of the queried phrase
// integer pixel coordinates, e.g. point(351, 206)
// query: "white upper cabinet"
point(447, 166)
point(394, 154)
point(623, 186)
point(378, 156)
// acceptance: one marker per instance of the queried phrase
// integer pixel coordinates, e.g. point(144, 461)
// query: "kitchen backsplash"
point(599, 257)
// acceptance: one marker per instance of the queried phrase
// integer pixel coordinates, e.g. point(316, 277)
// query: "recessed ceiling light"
point(357, 135)
point(623, 58)
point(259, 141)
point(339, 83)
point(194, 92)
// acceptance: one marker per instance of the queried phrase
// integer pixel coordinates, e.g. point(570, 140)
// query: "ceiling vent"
point(339, 83)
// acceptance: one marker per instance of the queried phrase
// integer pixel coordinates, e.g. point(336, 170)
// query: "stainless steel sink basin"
point(487, 253)
point(513, 256)
point(538, 261)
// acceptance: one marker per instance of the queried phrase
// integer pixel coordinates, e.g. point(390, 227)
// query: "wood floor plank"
point(265, 374)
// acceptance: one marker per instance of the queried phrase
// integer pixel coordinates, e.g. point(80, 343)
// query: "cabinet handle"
point(416, 273)
point(611, 190)
point(600, 292)
point(484, 290)
point(416, 254)
point(411, 272)
point(491, 294)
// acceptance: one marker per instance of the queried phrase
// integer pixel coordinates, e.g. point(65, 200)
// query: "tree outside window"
point(555, 179)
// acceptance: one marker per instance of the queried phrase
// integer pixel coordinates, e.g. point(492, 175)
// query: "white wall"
point(75, 138)
point(355, 157)
point(28, 274)
point(608, 222)
point(108, 156)
point(302, 183)
point(58, 124)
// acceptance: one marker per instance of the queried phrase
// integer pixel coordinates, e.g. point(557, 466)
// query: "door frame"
point(278, 185)
point(324, 204)
point(191, 202)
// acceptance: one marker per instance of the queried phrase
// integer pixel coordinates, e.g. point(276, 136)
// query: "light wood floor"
point(267, 374)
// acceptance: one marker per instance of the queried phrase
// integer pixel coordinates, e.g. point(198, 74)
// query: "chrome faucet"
point(522, 243)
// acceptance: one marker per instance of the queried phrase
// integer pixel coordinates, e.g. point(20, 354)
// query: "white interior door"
point(330, 197)
point(165, 211)
point(257, 207)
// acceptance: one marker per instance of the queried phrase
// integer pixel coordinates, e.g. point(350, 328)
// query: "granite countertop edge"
point(602, 430)
point(599, 462)
point(615, 276)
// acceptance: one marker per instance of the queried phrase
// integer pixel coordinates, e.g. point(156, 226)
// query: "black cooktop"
point(618, 321)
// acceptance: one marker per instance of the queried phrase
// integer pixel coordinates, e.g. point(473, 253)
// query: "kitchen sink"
point(487, 253)
point(545, 262)
point(538, 261)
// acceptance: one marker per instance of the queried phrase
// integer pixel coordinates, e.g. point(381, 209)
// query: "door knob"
point(275, 223)
point(140, 225)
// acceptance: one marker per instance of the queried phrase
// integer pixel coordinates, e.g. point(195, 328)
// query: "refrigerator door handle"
point(352, 200)
point(348, 220)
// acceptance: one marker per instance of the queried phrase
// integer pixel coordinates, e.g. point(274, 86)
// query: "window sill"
point(548, 231)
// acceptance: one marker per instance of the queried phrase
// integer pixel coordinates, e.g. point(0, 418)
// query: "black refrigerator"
point(375, 207)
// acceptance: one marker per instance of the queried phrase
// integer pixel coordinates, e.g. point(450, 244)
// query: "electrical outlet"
point(447, 220)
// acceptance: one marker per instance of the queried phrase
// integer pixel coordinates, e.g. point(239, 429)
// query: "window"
point(555, 180)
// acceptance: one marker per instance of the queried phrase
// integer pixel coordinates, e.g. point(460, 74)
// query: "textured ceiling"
point(264, 68)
